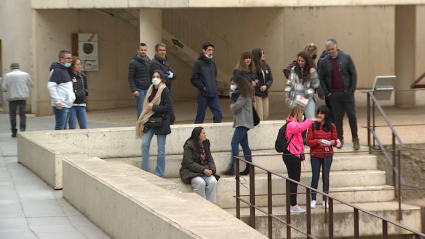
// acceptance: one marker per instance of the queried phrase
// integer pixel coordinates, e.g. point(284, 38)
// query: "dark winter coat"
point(163, 109)
point(191, 164)
point(204, 76)
point(161, 65)
point(267, 80)
point(79, 82)
point(138, 73)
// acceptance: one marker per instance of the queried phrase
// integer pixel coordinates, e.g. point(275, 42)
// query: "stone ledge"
point(127, 206)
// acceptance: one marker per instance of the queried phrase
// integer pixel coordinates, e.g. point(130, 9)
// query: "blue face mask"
point(67, 65)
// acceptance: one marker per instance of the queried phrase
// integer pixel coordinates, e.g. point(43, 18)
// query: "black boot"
point(14, 133)
point(230, 170)
point(247, 168)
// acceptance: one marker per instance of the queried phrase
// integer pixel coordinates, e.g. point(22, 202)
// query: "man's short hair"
point(330, 42)
point(14, 66)
point(206, 45)
point(143, 44)
point(63, 53)
point(158, 45)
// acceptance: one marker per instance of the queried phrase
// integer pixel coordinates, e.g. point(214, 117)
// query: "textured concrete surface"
point(29, 208)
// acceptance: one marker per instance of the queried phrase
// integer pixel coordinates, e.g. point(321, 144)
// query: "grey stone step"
point(266, 159)
point(343, 220)
point(351, 182)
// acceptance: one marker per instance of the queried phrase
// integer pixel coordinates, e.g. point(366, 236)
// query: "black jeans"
point(331, 112)
point(13, 106)
point(293, 166)
point(325, 164)
point(342, 103)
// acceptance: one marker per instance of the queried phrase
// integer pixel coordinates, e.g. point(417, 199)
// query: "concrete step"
point(343, 220)
point(348, 181)
point(265, 158)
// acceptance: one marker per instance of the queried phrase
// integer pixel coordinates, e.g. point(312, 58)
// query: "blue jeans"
point(139, 101)
point(240, 136)
point(61, 117)
point(316, 163)
point(213, 103)
point(77, 113)
point(146, 144)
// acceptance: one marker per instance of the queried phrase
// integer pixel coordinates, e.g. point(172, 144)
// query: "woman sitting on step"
point(321, 138)
point(198, 167)
point(155, 120)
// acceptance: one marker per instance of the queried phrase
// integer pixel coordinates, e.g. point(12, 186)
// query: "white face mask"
point(156, 81)
point(232, 87)
point(209, 57)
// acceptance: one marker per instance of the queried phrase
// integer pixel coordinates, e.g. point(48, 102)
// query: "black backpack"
point(281, 144)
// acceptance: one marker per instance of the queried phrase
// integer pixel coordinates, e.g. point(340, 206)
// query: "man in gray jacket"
point(16, 83)
point(338, 78)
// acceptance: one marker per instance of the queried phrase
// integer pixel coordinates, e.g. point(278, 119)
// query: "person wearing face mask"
point(204, 78)
point(155, 120)
point(61, 89)
point(160, 63)
point(78, 109)
point(301, 84)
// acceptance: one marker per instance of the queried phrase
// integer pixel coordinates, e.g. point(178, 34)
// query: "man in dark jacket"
point(160, 63)
point(204, 78)
point(338, 78)
point(138, 76)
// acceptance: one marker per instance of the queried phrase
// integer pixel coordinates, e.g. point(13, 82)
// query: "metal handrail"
point(309, 189)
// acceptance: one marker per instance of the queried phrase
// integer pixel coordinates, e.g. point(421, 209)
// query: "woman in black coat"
point(198, 167)
point(155, 120)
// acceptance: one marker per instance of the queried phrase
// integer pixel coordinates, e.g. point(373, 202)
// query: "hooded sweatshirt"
point(60, 86)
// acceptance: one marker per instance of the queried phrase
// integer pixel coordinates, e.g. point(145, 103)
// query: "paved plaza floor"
point(29, 208)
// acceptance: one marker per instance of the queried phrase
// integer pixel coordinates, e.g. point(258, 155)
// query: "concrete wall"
point(15, 35)
point(126, 206)
point(49, 4)
point(366, 33)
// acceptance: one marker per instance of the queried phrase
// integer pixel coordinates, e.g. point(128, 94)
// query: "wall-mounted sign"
point(87, 50)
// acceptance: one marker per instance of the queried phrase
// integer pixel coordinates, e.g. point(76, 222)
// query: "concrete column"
point(150, 28)
point(405, 54)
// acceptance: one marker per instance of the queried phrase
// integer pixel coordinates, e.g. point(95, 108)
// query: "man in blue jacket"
point(204, 77)
point(61, 89)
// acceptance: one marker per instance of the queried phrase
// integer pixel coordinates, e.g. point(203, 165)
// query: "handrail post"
point(373, 121)
point(308, 199)
point(384, 229)
point(270, 204)
point(238, 190)
point(400, 215)
point(368, 123)
point(356, 224)
point(331, 217)
point(251, 194)
point(394, 166)
point(288, 209)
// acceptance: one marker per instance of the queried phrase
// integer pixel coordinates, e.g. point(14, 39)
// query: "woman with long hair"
point(265, 81)
point(311, 49)
point(294, 154)
point(302, 84)
point(198, 167)
point(245, 68)
point(321, 138)
point(79, 82)
point(242, 110)
point(155, 120)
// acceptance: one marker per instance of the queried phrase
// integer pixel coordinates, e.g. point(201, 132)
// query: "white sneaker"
point(297, 209)
point(313, 204)
point(327, 204)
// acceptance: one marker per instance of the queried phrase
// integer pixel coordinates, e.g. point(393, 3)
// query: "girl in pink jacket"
point(293, 156)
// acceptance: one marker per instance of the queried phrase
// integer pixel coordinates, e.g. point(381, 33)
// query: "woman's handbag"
point(255, 116)
point(154, 122)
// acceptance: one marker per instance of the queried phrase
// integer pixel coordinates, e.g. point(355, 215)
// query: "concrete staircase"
point(176, 27)
point(354, 178)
